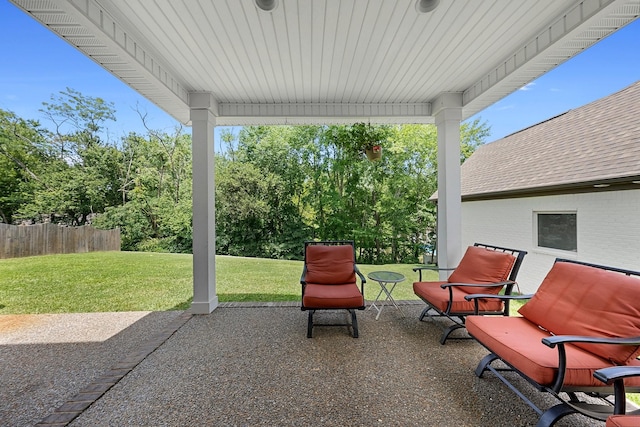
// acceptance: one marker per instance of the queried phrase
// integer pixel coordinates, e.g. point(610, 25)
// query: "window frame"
point(554, 251)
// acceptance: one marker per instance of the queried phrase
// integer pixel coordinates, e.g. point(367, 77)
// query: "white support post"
point(448, 115)
point(205, 299)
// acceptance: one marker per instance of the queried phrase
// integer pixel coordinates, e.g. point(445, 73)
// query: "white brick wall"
point(608, 229)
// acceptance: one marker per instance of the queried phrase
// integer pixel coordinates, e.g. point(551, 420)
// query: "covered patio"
point(271, 62)
point(249, 364)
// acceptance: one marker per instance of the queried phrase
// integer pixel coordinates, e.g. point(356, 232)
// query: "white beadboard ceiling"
point(328, 61)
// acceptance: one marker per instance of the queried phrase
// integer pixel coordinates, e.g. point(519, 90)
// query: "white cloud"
point(506, 107)
point(528, 86)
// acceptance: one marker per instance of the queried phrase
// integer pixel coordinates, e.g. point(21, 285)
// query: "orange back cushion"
point(481, 265)
point(576, 299)
point(330, 264)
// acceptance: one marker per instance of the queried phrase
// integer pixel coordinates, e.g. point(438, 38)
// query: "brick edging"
point(73, 407)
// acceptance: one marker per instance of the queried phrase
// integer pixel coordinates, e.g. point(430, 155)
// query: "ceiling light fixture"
point(267, 5)
point(601, 185)
point(426, 6)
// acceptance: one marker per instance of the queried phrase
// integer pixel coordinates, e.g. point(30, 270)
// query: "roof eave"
point(613, 184)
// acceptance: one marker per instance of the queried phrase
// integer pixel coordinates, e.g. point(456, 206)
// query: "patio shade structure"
point(268, 62)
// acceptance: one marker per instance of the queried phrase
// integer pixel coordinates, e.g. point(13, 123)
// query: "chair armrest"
point(609, 375)
point(451, 286)
point(426, 267)
point(560, 340)
point(616, 375)
point(363, 280)
point(302, 276)
point(478, 285)
point(495, 296)
point(429, 267)
point(503, 298)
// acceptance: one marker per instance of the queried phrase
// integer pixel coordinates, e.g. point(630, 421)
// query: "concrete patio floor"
point(248, 365)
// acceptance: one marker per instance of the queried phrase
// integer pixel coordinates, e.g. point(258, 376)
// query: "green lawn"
point(143, 281)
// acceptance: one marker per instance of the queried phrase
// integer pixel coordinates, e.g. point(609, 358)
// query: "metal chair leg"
point(448, 331)
point(553, 414)
point(354, 323)
point(424, 312)
point(486, 361)
point(310, 324)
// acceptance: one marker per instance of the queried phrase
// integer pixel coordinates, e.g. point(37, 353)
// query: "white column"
point(448, 115)
point(203, 122)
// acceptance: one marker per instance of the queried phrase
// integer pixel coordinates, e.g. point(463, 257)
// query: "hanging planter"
point(368, 139)
point(374, 152)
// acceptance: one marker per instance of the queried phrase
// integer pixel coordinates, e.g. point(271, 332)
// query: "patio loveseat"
point(583, 318)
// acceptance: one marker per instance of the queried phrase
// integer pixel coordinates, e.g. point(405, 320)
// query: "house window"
point(557, 231)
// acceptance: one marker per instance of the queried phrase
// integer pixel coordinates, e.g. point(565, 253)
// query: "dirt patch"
point(13, 322)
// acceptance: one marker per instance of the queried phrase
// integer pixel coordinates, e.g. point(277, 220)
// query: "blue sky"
point(605, 68)
point(38, 64)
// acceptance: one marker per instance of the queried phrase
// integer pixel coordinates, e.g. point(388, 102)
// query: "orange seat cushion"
point(439, 298)
point(576, 299)
point(478, 265)
point(318, 296)
point(481, 265)
point(623, 421)
point(518, 341)
point(330, 264)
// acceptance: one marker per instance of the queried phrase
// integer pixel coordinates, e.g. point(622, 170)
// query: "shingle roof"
point(596, 143)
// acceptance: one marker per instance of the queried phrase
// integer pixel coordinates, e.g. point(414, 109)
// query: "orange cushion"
point(330, 264)
point(437, 297)
point(335, 296)
point(518, 341)
point(623, 421)
point(481, 265)
point(575, 299)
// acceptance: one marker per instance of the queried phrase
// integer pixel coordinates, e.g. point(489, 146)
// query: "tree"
point(23, 155)
point(80, 180)
point(472, 135)
point(283, 184)
point(153, 188)
point(77, 120)
point(257, 194)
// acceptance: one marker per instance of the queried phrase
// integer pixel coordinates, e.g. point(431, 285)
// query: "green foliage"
point(73, 171)
point(361, 136)
point(23, 157)
point(275, 186)
point(154, 194)
point(135, 227)
point(77, 116)
point(256, 196)
point(282, 185)
point(472, 136)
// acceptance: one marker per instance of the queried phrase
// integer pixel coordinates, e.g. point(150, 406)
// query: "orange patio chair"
point(484, 269)
point(329, 281)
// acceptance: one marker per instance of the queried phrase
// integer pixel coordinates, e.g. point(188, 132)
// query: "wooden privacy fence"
point(46, 239)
